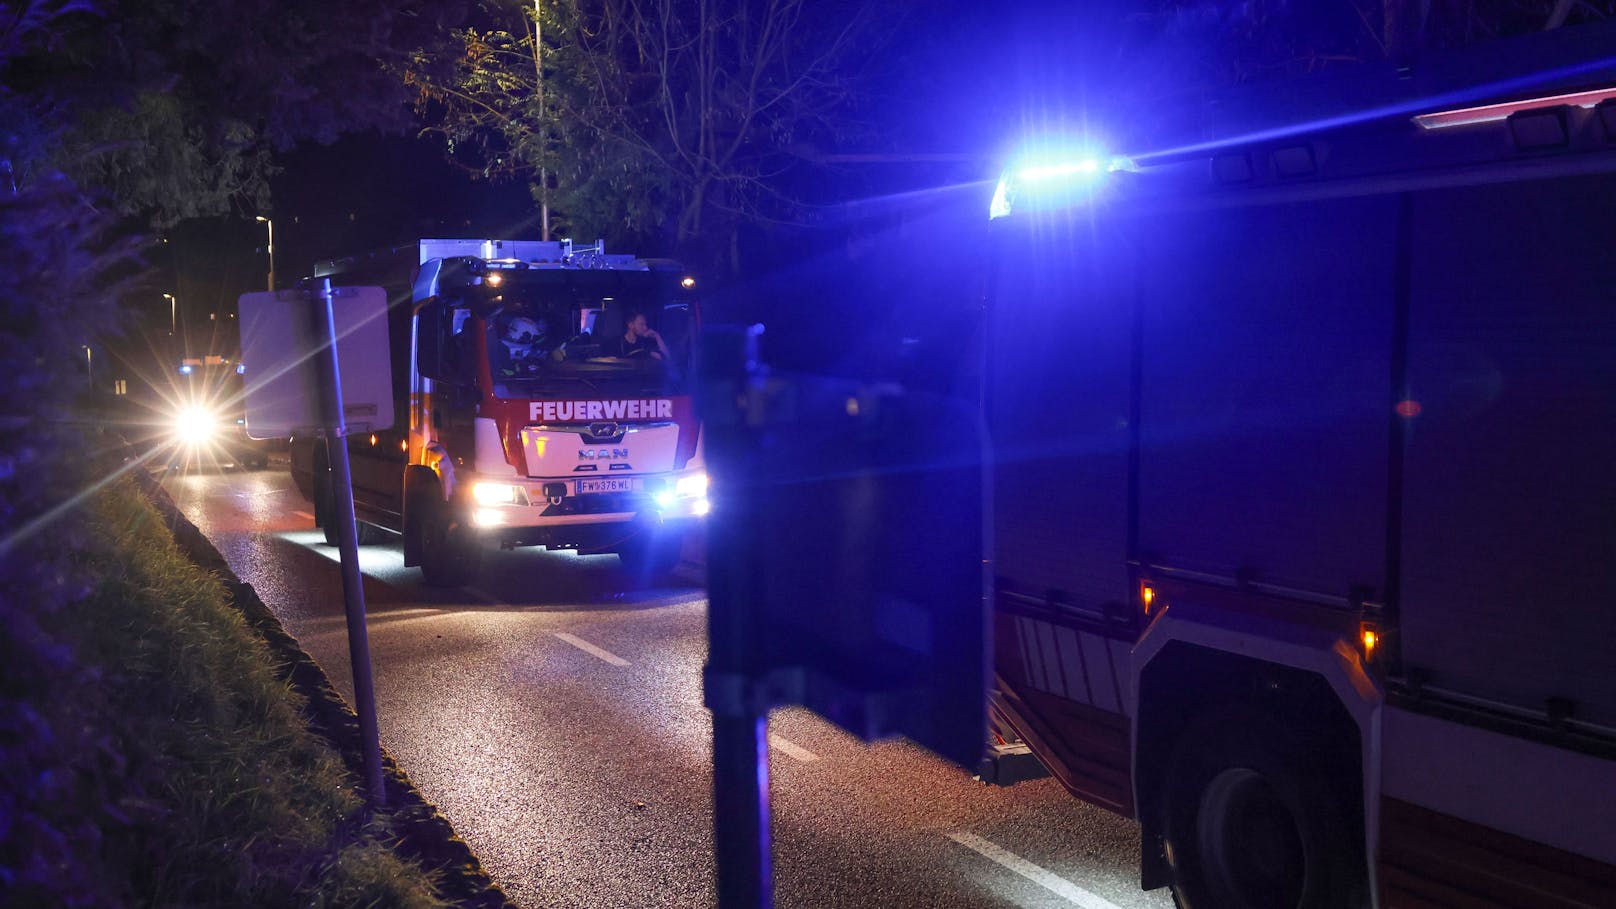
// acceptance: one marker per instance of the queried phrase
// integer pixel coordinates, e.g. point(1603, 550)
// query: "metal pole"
point(353, 590)
point(735, 687)
point(538, 91)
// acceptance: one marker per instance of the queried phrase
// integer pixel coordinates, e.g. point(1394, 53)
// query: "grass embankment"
point(209, 789)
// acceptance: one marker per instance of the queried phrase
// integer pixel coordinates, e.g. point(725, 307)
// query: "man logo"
point(604, 430)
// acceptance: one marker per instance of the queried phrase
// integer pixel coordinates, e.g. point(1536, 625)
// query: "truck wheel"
point(325, 511)
point(1259, 817)
point(325, 505)
point(449, 553)
point(650, 555)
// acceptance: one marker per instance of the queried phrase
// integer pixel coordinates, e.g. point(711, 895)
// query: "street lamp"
point(173, 314)
point(271, 247)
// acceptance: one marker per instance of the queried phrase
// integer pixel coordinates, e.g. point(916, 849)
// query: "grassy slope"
point(208, 788)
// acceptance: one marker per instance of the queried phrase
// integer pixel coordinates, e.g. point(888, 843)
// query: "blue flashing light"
point(1053, 181)
point(241, 369)
point(185, 369)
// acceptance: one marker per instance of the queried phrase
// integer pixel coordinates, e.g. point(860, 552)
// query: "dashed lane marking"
point(791, 749)
point(1050, 881)
point(591, 649)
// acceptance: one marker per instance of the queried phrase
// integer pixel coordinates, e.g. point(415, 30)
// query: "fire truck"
point(529, 424)
point(1304, 428)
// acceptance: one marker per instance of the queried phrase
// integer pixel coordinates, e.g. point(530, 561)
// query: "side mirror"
point(438, 356)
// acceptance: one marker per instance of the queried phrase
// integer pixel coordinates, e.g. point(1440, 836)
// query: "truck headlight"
point(494, 493)
point(195, 425)
point(693, 486)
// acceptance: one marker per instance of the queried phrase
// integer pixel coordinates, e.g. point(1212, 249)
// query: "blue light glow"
point(1055, 179)
point(185, 369)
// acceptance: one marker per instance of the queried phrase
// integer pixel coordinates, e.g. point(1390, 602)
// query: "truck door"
point(1059, 411)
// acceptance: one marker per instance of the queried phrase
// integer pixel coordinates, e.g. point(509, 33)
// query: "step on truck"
point(547, 388)
point(1305, 483)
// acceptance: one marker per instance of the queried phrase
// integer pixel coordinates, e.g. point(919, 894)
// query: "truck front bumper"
point(534, 511)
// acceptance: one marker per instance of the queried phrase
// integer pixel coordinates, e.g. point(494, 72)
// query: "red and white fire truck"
point(530, 422)
point(1305, 506)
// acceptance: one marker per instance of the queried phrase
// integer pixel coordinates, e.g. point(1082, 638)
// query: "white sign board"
point(278, 349)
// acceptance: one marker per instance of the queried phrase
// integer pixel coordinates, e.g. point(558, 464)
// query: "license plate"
point(605, 484)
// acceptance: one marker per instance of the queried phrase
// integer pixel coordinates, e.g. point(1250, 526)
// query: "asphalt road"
point(556, 718)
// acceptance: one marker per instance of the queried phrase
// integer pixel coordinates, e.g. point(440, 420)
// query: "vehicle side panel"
point(1509, 578)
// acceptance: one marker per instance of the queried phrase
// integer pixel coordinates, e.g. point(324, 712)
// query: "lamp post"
point(173, 314)
point(538, 85)
point(270, 248)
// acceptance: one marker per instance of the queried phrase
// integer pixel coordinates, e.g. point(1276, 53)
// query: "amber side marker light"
point(1147, 597)
point(1369, 639)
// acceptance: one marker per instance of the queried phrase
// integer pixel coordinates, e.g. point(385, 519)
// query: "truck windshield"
point(588, 334)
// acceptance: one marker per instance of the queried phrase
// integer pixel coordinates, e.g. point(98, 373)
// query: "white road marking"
point(591, 649)
point(304, 515)
point(1050, 881)
point(792, 749)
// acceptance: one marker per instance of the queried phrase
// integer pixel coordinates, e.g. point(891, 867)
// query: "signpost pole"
point(329, 381)
point(734, 683)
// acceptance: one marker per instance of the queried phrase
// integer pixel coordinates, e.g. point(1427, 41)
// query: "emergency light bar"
point(1045, 181)
point(1492, 113)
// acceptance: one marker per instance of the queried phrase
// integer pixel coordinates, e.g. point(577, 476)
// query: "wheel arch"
point(421, 485)
point(1185, 668)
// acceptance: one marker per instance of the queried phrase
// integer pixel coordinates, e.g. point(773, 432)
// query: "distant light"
point(687, 282)
point(195, 425)
point(241, 369)
point(373, 439)
point(185, 369)
point(1408, 409)
point(493, 279)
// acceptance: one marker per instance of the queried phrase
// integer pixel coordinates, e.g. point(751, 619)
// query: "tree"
point(673, 119)
point(1227, 41)
point(174, 108)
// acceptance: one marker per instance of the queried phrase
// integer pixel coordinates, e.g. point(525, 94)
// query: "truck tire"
point(1259, 816)
point(649, 556)
point(325, 510)
point(449, 553)
point(325, 503)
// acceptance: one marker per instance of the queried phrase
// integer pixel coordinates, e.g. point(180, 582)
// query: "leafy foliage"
point(173, 107)
point(1223, 41)
point(155, 758)
point(674, 119)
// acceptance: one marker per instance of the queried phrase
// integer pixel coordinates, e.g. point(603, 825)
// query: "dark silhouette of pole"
point(353, 591)
point(736, 692)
